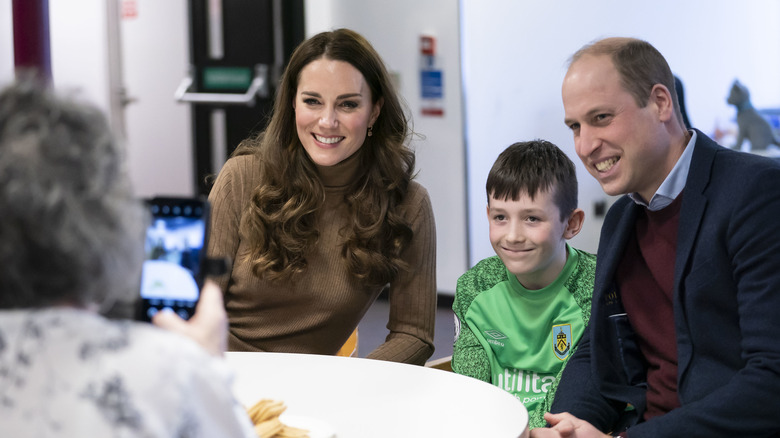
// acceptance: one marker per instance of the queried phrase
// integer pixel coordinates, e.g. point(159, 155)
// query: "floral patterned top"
point(71, 373)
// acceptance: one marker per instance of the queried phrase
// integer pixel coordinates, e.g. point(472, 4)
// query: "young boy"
point(520, 314)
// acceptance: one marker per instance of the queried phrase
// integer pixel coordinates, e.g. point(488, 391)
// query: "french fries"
point(268, 428)
point(265, 416)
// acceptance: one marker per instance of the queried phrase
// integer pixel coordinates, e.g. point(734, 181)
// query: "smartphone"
point(175, 247)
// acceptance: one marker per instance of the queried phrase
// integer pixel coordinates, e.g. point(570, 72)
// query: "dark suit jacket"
point(726, 310)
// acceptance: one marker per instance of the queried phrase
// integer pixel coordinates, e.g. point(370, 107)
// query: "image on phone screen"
point(174, 246)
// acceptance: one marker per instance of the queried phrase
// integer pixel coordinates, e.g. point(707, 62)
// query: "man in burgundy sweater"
point(683, 332)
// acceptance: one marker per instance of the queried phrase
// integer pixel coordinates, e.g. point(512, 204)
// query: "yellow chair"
point(350, 348)
point(444, 363)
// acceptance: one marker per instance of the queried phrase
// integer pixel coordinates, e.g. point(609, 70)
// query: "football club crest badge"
point(561, 338)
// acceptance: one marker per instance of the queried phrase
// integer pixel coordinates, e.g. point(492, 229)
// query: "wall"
point(79, 50)
point(514, 62)
point(155, 58)
point(6, 43)
point(394, 29)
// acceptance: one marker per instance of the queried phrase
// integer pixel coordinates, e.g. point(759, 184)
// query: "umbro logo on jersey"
point(495, 334)
point(492, 337)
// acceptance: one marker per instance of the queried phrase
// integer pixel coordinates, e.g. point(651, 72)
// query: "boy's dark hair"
point(531, 167)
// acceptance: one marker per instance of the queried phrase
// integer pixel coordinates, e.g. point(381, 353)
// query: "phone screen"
point(174, 247)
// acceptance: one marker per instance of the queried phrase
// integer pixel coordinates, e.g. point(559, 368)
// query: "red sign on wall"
point(431, 79)
point(129, 9)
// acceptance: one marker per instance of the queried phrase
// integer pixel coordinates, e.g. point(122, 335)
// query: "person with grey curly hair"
point(70, 228)
point(71, 246)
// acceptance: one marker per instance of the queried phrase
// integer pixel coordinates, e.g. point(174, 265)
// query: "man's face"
point(625, 147)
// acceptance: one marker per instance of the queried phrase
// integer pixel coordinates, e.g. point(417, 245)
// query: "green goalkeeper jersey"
point(520, 339)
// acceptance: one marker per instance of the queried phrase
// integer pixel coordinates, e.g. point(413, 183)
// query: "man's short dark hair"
point(640, 66)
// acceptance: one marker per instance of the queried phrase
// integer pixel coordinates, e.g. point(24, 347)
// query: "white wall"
point(79, 50)
point(6, 43)
point(155, 53)
point(394, 29)
point(514, 59)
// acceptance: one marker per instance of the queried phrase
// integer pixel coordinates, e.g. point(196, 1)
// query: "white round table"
point(370, 398)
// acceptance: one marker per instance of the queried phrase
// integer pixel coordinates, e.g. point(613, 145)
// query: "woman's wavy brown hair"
point(281, 219)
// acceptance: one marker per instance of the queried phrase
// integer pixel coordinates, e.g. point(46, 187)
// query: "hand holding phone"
point(208, 326)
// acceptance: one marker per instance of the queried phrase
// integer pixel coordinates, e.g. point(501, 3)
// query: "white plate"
point(316, 427)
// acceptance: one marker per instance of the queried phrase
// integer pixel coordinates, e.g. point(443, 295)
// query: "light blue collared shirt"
point(674, 182)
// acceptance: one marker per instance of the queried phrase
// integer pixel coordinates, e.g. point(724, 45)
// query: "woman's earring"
point(370, 131)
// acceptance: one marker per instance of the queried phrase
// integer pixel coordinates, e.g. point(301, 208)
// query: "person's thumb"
point(168, 319)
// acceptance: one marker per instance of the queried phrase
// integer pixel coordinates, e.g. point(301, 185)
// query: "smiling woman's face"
point(333, 110)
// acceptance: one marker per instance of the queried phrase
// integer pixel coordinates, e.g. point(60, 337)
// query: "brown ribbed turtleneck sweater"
point(318, 311)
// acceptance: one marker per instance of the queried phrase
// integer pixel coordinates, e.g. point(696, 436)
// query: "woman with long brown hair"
point(320, 213)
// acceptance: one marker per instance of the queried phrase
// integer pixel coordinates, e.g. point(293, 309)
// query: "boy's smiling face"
point(530, 237)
